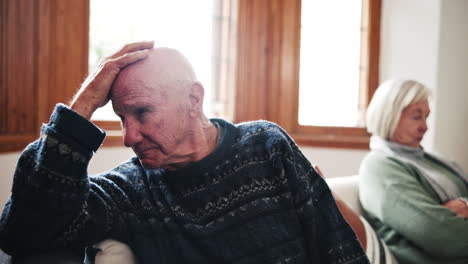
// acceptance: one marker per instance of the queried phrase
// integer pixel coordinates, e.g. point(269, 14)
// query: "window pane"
point(329, 62)
point(185, 25)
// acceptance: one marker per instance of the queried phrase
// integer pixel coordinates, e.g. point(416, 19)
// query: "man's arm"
point(351, 217)
point(50, 197)
point(328, 236)
point(53, 204)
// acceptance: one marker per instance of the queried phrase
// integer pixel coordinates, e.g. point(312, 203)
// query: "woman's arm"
point(394, 193)
point(458, 207)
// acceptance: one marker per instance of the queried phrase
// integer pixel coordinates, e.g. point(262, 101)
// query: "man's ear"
point(197, 93)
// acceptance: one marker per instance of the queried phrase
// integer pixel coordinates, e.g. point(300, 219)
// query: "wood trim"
point(113, 133)
point(9, 143)
point(252, 53)
point(283, 61)
point(16, 139)
point(331, 140)
point(108, 125)
point(335, 137)
point(18, 62)
point(290, 55)
point(43, 52)
point(3, 66)
point(375, 13)
point(113, 140)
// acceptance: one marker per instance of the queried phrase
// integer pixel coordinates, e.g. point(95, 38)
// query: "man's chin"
point(149, 164)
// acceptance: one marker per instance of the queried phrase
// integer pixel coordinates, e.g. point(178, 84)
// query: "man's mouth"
point(144, 153)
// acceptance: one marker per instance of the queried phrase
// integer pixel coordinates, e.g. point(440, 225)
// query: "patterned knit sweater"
point(255, 199)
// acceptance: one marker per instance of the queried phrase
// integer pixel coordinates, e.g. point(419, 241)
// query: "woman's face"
point(412, 124)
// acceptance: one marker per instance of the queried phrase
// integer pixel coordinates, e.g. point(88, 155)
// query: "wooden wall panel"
point(43, 59)
point(18, 62)
point(3, 68)
point(267, 56)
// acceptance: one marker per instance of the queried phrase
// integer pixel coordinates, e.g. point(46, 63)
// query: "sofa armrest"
point(347, 189)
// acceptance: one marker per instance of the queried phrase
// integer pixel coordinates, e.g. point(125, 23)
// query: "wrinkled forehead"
point(133, 76)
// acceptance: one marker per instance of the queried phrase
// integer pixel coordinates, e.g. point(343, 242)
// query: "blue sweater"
point(255, 199)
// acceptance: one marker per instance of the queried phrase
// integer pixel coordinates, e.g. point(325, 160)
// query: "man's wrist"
point(71, 124)
point(82, 106)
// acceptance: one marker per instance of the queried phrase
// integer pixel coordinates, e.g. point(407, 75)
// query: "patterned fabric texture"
point(255, 199)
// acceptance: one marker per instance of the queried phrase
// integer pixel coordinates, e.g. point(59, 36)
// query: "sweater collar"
point(389, 147)
point(198, 173)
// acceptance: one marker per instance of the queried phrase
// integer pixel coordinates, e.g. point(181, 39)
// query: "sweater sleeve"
point(328, 235)
point(53, 204)
point(392, 191)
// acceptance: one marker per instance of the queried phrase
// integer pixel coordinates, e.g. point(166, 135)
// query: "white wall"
point(108, 158)
point(427, 40)
point(451, 118)
point(409, 44)
point(335, 162)
point(7, 168)
point(409, 40)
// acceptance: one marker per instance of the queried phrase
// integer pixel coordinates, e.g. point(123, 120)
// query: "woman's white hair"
point(389, 100)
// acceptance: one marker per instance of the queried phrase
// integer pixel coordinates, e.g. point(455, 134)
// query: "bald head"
point(164, 68)
point(160, 104)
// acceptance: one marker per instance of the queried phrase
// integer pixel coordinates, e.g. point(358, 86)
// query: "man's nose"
point(131, 134)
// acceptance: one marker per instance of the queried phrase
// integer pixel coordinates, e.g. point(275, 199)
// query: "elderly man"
point(198, 191)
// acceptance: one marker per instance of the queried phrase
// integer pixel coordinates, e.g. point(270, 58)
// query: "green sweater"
point(407, 214)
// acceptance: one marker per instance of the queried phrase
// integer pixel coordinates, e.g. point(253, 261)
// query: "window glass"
point(329, 63)
point(185, 25)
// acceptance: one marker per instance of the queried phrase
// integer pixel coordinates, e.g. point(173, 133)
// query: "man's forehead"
point(132, 101)
point(130, 85)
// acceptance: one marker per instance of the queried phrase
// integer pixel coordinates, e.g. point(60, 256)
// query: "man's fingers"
point(130, 58)
point(133, 47)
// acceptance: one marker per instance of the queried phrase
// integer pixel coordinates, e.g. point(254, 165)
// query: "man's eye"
point(418, 117)
point(141, 111)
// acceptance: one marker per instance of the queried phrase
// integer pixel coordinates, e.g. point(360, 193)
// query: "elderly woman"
point(415, 200)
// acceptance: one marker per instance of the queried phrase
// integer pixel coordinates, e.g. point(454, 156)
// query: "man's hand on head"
point(94, 92)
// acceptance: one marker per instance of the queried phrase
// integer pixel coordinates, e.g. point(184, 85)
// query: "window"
point(44, 51)
point(268, 70)
point(185, 25)
point(329, 63)
point(44, 55)
point(203, 31)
